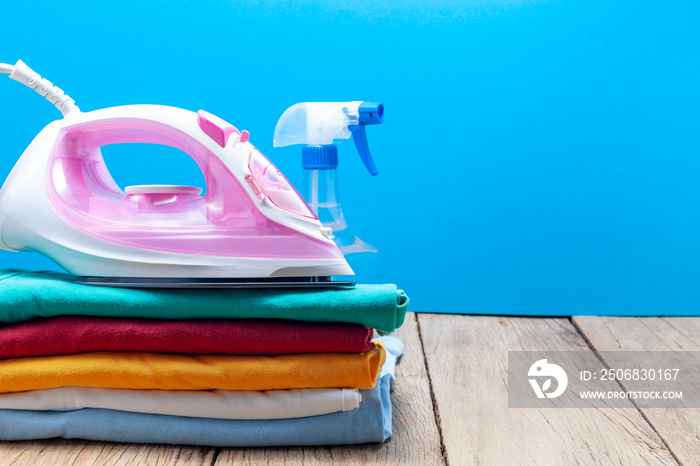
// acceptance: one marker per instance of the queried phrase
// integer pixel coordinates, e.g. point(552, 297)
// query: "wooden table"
point(451, 405)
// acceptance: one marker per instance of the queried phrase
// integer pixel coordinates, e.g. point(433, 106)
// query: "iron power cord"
point(45, 88)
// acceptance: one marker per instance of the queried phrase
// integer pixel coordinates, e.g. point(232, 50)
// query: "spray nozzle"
point(320, 123)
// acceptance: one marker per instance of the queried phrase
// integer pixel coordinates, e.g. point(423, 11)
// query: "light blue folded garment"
point(371, 422)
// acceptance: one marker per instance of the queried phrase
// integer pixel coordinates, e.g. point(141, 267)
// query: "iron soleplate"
point(192, 283)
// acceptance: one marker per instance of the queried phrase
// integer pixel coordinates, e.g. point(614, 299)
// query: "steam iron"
point(250, 228)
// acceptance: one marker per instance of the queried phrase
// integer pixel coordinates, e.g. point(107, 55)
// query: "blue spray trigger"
point(359, 135)
point(370, 113)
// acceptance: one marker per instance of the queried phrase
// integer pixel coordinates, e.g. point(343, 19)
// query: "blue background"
point(536, 157)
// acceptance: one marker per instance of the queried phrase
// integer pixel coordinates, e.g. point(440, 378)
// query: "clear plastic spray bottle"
point(317, 125)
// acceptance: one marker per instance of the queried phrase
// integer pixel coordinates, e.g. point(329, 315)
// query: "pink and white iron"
point(250, 227)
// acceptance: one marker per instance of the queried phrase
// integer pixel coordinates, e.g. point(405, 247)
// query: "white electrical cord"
point(45, 88)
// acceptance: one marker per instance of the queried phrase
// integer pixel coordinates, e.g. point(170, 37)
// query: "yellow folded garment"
point(194, 372)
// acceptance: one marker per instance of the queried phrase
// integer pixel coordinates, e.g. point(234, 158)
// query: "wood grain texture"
point(57, 452)
point(679, 428)
point(467, 362)
point(415, 440)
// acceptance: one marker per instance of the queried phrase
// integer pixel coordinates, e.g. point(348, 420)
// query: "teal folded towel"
point(25, 295)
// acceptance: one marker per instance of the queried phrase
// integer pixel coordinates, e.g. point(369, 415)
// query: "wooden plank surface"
point(416, 440)
point(58, 452)
point(679, 428)
point(467, 364)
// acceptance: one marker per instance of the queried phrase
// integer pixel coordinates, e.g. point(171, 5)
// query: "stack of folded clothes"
point(234, 367)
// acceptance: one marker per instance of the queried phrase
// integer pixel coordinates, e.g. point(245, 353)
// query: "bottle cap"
point(319, 157)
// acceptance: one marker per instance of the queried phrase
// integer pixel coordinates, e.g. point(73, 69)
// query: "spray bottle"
point(317, 125)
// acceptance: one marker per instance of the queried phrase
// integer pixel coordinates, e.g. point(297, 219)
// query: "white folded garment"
point(215, 404)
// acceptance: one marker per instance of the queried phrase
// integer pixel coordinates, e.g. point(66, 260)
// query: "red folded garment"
point(79, 334)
